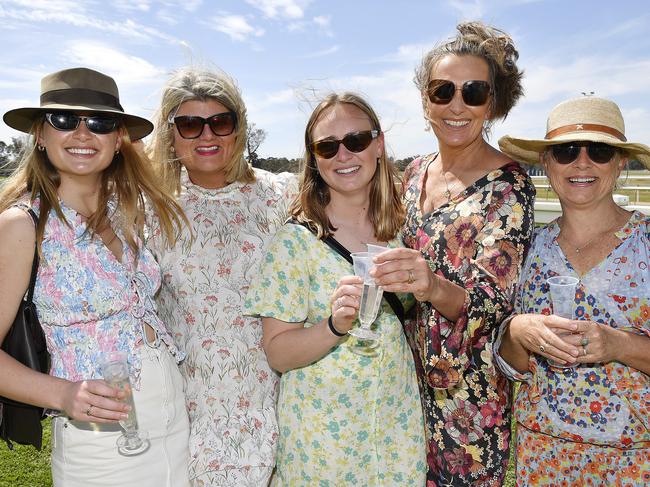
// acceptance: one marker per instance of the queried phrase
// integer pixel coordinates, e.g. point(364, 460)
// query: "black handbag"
point(25, 342)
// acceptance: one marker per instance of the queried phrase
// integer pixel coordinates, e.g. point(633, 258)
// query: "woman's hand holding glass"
point(407, 271)
point(540, 334)
point(94, 400)
point(345, 303)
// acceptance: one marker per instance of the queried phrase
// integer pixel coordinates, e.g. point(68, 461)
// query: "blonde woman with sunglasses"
point(469, 218)
point(344, 418)
point(583, 404)
point(198, 146)
point(95, 285)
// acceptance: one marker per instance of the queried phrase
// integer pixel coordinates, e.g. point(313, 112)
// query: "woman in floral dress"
point(468, 223)
point(344, 418)
point(587, 423)
point(95, 285)
point(234, 211)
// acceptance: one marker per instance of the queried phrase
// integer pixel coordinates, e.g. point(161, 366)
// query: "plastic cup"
point(563, 293)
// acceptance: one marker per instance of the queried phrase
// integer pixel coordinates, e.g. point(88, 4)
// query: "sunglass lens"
point(565, 153)
point(189, 127)
point(600, 152)
point(325, 148)
point(357, 142)
point(101, 125)
point(63, 121)
point(222, 124)
point(475, 93)
point(441, 92)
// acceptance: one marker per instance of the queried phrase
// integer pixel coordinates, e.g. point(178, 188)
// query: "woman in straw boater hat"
point(95, 284)
point(583, 406)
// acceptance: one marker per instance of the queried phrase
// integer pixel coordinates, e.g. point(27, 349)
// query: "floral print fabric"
point(606, 405)
point(89, 303)
point(231, 390)
point(345, 419)
point(477, 240)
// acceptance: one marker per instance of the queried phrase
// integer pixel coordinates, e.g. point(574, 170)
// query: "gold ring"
point(88, 413)
point(584, 342)
point(410, 281)
point(542, 349)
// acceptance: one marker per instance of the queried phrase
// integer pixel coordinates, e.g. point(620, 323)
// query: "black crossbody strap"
point(335, 245)
point(32, 279)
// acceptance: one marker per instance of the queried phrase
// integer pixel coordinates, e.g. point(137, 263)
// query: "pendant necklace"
point(592, 239)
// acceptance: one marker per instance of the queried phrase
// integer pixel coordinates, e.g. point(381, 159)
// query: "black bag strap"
point(32, 279)
point(335, 245)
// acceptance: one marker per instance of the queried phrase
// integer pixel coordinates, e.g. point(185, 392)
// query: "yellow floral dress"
point(345, 419)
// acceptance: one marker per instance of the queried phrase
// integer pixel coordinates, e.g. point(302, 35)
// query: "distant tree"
point(279, 164)
point(10, 155)
point(254, 138)
point(401, 164)
point(634, 164)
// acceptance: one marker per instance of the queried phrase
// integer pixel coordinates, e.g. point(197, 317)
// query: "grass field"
point(25, 466)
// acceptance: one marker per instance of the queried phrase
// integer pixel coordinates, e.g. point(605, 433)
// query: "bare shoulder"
point(17, 235)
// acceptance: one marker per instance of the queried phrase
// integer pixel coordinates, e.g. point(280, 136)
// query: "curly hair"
point(386, 210)
point(492, 45)
point(193, 83)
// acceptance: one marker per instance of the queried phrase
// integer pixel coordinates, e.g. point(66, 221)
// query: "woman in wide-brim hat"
point(95, 284)
point(582, 407)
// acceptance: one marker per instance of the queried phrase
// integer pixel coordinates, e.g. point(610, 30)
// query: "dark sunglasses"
point(191, 127)
point(97, 124)
point(598, 152)
point(475, 92)
point(354, 142)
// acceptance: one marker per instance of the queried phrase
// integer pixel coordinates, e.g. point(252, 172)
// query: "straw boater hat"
point(581, 119)
point(78, 89)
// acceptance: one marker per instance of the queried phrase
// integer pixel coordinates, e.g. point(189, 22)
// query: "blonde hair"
point(129, 181)
point(485, 42)
point(191, 83)
point(386, 211)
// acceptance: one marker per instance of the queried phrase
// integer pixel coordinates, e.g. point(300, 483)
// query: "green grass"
point(25, 466)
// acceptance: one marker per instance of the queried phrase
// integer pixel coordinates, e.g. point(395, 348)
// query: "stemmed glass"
point(370, 297)
point(115, 371)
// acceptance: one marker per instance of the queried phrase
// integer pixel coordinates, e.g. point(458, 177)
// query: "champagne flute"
point(115, 371)
point(370, 297)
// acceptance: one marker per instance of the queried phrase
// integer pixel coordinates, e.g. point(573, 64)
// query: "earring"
point(378, 161)
point(117, 151)
point(40, 147)
point(173, 150)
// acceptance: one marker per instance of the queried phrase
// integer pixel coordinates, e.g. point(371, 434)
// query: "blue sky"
point(285, 54)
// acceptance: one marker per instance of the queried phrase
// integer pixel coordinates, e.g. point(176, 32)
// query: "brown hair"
point(192, 83)
point(386, 210)
point(129, 181)
point(492, 45)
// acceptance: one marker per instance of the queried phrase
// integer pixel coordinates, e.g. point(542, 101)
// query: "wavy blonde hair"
point(192, 83)
point(386, 211)
point(129, 180)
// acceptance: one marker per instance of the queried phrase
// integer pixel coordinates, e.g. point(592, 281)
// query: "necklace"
point(580, 248)
point(448, 190)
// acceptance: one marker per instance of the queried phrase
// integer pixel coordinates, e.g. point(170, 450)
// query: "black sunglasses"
point(354, 142)
point(598, 152)
point(191, 127)
point(97, 124)
point(475, 92)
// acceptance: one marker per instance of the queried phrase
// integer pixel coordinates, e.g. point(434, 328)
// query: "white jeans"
point(84, 454)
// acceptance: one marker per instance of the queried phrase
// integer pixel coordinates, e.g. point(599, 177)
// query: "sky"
point(287, 54)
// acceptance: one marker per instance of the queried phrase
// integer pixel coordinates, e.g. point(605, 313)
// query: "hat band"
point(80, 96)
point(591, 127)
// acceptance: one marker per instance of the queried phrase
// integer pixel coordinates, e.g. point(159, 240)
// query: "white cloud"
point(322, 53)
point(235, 26)
point(289, 9)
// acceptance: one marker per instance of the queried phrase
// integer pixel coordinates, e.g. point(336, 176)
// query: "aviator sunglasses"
point(191, 127)
point(598, 152)
point(97, 124)
point(475, 92)
point(354, 142)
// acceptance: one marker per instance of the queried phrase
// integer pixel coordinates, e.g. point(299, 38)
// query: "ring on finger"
point(89, 410)
point(410, 280)
point(542, 348)
point(584, 342)
point(584, 351)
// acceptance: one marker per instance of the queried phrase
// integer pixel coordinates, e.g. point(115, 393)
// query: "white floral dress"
point(231, 390)
point(345, 419)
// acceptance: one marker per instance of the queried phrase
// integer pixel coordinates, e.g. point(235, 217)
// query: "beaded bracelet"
point(330, 325)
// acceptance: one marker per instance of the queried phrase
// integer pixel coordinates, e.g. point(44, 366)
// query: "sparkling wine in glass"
point(115, 371)
point(370, 297)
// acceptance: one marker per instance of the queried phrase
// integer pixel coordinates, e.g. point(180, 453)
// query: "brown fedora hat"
point(581, 119)
point(78, 89)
